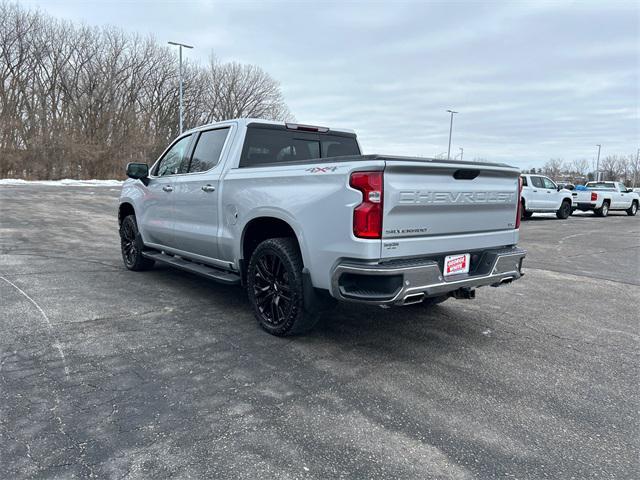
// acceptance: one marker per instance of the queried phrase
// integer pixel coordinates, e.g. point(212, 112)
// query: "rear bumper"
point(401, 282)
point(584, 206)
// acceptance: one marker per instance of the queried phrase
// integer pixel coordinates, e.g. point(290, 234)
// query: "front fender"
point(132, 193)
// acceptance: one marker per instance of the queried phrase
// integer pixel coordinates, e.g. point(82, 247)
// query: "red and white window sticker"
point(454, 264)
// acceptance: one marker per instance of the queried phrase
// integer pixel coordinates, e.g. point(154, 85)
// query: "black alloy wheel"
point(131, 246)
point(272, 290)
point(275, 288)
point(128, 243)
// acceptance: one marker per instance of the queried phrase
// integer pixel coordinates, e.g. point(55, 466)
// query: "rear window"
point(277, 144)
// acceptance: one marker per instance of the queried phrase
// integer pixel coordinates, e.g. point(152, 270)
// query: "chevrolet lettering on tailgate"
point(417, 197)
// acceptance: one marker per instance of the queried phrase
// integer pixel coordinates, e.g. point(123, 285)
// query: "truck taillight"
point(519, 209)
point(594, 196)
point(367, 217)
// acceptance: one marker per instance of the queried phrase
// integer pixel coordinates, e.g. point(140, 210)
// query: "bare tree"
point(634, 171)
point(611, 167)
point(553, 167)
point(580, 167)
point(79, 101)
point(237, 90)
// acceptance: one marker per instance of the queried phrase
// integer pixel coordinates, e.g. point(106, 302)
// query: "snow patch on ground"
point(553, 215)
point(67, 182)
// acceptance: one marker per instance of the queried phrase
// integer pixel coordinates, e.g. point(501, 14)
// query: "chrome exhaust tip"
point(413, 298)
point(503, 281)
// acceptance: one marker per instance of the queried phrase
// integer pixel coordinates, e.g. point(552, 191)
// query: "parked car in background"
point(603, 197)
point(543, 195)
point(297, 215)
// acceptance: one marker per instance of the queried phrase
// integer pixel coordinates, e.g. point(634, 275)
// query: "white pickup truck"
point(301, 218)
point(541, 194)
point(603, 197)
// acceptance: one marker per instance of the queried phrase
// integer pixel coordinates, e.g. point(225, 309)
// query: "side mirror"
point(629, 190)
point(137, 171)
point(559, 187)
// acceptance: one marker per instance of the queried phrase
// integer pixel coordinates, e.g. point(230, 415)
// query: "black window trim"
point(195, 135)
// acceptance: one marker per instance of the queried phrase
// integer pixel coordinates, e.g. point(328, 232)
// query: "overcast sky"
point(531, 80)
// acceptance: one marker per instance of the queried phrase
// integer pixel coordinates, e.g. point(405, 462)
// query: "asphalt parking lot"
point(108, 373)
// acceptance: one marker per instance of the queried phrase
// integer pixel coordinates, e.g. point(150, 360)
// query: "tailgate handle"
point(466, 174)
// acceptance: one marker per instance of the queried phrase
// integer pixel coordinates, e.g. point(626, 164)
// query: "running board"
point(211, 273)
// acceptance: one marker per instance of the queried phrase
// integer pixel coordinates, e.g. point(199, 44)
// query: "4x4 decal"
point(321, 169)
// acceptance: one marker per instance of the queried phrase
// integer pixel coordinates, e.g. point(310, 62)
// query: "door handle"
point(535, 190)
point(167, 188)
point(208, 188)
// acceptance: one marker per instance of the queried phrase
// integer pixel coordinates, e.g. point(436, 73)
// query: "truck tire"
point(564, 211)
point(131, 246)
point(633, 209)
point(276, 290)
point(603, 211)
point(524, 214)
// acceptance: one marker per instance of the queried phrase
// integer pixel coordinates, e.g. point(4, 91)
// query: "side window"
point(171, 163)
point(622, 187)
point(537, 182)
point(524, 182)
point(206, 155)
point(548, 183)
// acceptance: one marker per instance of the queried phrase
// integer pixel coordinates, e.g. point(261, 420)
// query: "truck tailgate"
point(432, 207)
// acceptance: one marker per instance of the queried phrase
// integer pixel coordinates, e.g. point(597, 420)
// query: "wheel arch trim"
point(271, 214)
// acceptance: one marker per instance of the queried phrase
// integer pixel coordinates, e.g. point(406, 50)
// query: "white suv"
point(541, 194)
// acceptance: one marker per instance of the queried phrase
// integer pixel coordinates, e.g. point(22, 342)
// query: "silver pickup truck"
point(301, 218)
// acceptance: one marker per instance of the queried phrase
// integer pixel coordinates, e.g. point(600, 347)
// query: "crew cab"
point(302, 219)
point(603, 197)
point(543, 195)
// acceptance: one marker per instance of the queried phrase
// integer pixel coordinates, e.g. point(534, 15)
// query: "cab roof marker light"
point(306, 128)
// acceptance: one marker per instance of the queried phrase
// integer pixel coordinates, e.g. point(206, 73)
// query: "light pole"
point(635, 170)
point(598, 164)
point(461, 153)
point(180, 45)
point(450, 130)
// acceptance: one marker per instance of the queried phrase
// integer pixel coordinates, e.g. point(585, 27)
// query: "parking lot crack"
point(56, 344)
